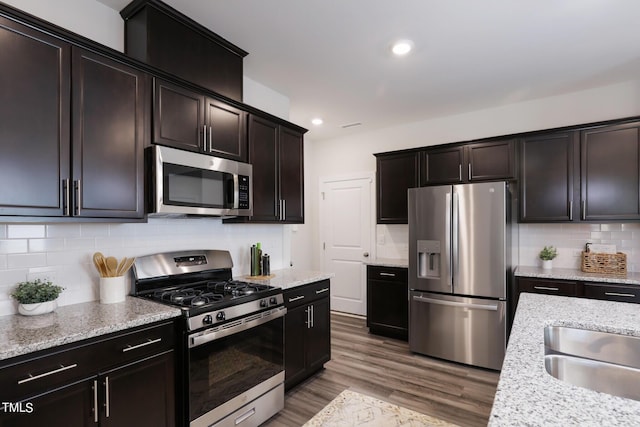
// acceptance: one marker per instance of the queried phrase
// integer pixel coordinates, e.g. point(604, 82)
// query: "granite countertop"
point(572, 274)
point(289, 278)
point(25, 334)
point(528, 395)
point(389, 262)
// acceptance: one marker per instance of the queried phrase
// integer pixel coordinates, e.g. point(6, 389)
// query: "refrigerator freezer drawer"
point(460, 329)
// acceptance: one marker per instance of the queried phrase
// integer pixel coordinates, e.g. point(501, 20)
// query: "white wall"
point(342, 156)
point(63, 251)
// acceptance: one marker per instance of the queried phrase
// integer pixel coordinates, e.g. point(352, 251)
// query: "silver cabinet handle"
point(66, 197)
point(204, 138)
point(210, 139)
point(298, 298)
point(284, 210)
point(616, 294)
point(584, 210)
point(106, 396)
point(469, 171)
point(95, 401)
point(570, 210)
point(78, 193)
point(62, 368)
point(149, 341)
point(308, 311)
point(545, 288)
point(456, 304)
point(321, 291)
point(460, 172)
point(388, 274)
point(313, 315)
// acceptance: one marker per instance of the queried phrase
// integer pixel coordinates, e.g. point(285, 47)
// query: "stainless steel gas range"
point(232, 355)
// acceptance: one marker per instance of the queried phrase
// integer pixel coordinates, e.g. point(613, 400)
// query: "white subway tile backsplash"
point(25, 231)
point(94, 230)
point(46, 245)
point(63, 230)
point(80, 243)
point(611, 227)
point(3, 263)
point(3, 231)
point(26, 260)
point(13, 246)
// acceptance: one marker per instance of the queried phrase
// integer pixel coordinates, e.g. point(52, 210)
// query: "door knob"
point(366, 254)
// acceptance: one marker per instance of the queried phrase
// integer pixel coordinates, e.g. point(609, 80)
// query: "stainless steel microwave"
point(188, 183)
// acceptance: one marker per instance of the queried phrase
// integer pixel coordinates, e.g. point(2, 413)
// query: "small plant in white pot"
point(547, 254)
point(36, 297)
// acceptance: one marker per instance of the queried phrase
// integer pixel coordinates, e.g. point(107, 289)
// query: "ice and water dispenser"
point(428, 259)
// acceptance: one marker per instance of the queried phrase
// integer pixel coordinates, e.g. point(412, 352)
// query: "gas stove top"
point(200, 284)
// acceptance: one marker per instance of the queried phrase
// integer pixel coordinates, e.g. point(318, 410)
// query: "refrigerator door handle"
point(447, 239)
point(456, 304)
point(455, 237)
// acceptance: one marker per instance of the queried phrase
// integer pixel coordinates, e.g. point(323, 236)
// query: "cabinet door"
point(291, 175)
point(69, 406)
point(441, 166)
point(226, 136)
point(543, 286)
point(395, 173)
point(141, 394)
point(178, 117)
point(295, 328)
point(34, 121)
point(490, 160)
point(610, 172)
point(108, 119)
point(318, 341)
point(388, 301)
point(263, 155)
point(546, 178)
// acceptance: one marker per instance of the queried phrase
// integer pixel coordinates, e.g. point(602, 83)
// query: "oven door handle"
point(211, 335)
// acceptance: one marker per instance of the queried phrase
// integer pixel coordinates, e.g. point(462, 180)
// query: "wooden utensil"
point(99, 262)
point(112, 266)
point(127, 265)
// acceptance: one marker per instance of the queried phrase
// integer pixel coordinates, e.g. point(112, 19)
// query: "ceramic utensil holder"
point(112, 289)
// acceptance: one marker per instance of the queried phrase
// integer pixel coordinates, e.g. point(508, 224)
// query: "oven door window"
point(225, 368)
point(187, 186)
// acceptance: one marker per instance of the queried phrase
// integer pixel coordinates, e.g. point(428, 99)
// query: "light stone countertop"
point(528, 396)
point(289, 278)
point(25, 334)
point(389, 262)
point(571, 274)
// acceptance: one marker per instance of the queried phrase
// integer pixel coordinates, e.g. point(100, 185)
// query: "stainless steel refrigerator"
point(459, 266)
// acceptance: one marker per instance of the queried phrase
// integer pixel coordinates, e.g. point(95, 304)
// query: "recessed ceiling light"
point(317, 121)
point(402, 47)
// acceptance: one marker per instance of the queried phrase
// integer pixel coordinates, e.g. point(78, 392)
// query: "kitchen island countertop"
point(572, 274)
point(289, 278)
point(25, 334)
point(528, 395)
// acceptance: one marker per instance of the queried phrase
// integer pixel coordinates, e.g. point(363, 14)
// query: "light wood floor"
point(385, 368)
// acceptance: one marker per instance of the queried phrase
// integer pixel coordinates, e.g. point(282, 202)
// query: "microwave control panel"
point(243, 192)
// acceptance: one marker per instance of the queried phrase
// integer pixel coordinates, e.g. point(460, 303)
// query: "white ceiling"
point(331, 57)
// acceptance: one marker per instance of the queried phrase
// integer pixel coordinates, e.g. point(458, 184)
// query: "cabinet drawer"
point(306, 293)
point(629, 293)
point(551, 287)
point(387, 274)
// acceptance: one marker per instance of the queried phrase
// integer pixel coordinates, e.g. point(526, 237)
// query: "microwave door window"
point(184, 186)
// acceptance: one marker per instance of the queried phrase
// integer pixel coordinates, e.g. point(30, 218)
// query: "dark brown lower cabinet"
point(123, 379)
point(388, 301)
point(612, 292)
point(307, 331)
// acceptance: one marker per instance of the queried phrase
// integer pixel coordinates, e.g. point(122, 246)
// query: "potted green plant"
point(36, 297)
point(547, 254)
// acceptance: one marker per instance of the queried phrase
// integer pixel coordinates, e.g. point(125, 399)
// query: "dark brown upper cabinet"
point(395, 174)
point(547, 177)
point(277, 155)
point(192, 121)
point(77, 151)
point(479, 161)
point(161, 36)
point(610, 172)
point(441, 165)
point(34, 121)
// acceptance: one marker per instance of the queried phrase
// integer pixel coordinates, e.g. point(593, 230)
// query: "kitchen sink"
point(600, 361)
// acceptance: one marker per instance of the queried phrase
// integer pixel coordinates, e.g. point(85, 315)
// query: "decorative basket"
point(615, 264)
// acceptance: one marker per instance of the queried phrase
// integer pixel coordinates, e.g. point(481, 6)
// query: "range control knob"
point(273, 300)
point(263, 303)
point(220, 315)
point(207, 320)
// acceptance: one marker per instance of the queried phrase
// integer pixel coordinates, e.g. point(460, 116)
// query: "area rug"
point(350, 409)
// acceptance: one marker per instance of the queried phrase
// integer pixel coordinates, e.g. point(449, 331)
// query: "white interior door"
point(346, 217)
